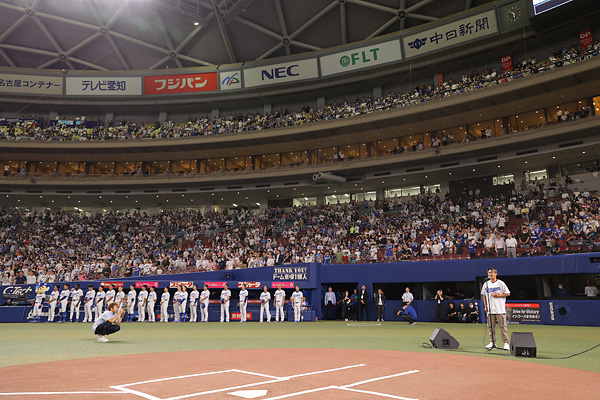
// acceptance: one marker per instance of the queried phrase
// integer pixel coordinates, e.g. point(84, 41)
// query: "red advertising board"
point(177, 284)
point(284, 285)
point(236, 316)
point(506, 63)
point(115, 284)
point(586, 39)
point(440, 77)
point(184, 83)
point(138, 285)
point(215, 285)
point(250, 285)
point(523, 312)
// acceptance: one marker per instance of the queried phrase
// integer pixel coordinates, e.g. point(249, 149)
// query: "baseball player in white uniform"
point(131, 296)
point(194, 304)
point(63, 299)
point(76, 295)
point(265, 298)
point(142, 300)
point(120, 298)
point(296, 299)
point(110, 295)
point(38, 304)
point(279, 302)
point(176, 304)
point(151, 303)
point(243, 303)
point(164, 305)
point(99, 301)
point(204, 301)
point(88, 302)
point(225, 297)
point(183, 299)
point(52, 302)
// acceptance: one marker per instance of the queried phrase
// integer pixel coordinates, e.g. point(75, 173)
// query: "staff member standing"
point(225, 296)
point(279, 302)
point(243, 303)
point(194, 304)
point(380, 303)
point(99, 301)
point(497, 291)
point(151, 304)
point(164, 305)
point(131, 296)
point(265, 298)
point(407, 297)
point(296, 300)
point(204, 301)
point(329, 304)
point(363, 303)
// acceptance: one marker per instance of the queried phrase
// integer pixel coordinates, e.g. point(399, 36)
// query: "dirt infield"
point(302, 374)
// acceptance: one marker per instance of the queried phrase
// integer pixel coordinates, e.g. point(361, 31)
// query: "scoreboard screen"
point(541, 6)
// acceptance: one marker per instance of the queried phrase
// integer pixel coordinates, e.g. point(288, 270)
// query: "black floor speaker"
point(522, 344)
point(440, 339)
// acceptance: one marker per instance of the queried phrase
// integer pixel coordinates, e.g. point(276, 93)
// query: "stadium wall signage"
point(281, 73)
point(230, 80)
point(103, 86)
point(184, 83)
point(451, 34)
point(31, 84)
point(362, 57)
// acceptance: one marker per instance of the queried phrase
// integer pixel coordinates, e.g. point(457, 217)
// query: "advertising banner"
point(586, 40)
point(249, 285)
point(138, 285)
point(281, 73)
point(230, 80)
point(184, 83)
point(454, 33)
point(115, 284)
point(104, 86)
point(177, 284)
point(440, 79)
point(31, 84)
point(362, 57)
point(506, 63)
point(284, 285)
point(288, 273)
point(215, 285)
point(523, 312)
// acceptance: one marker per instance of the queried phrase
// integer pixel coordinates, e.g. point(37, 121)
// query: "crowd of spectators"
point(254, 121)
point(70, 245)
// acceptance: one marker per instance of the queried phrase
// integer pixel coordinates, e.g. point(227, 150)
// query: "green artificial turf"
point(33, 343)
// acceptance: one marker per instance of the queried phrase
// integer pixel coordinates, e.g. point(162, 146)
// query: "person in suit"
point(363, 303)
point(380, 303)
point(330, 300)
point(278, 258)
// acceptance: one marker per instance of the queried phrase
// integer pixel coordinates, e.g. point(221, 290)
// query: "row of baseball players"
point(94, 303)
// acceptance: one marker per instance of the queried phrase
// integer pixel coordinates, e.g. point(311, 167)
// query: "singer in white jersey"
point(279, 302)
point(176, 304)
point(76, 295)
point(131, 296)
point(120, 298)
point(265, 298)
point(296, 300)
point(99, 302)
point(88, 302)
point(243, 303)
point(164, 305)
point(194, 304)
point(142, 301)
point(225, 296)
point(63, 299)
point(204, 302)
point(151, 303)
point(110, 295)
point(52, 303)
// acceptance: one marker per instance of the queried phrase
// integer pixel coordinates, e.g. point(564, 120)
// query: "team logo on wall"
point(230, 80)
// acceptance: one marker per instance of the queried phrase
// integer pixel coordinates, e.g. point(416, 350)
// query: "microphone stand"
point(491, 327)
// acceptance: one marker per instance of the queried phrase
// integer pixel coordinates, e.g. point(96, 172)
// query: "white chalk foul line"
point(255, 373)
point(136, 393)
point(175, 377)
point(380, 378)
point(185, 396)
point(300, 393)
point(323, 371)
point(56, 393)
point(391, 396)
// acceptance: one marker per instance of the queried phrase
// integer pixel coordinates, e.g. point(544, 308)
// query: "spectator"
point(561, 291)
point(473, 313)
point(511, 246)
point(452, 313)
point(591, 290)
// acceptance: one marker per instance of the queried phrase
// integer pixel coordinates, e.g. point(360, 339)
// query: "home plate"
point(249, 394)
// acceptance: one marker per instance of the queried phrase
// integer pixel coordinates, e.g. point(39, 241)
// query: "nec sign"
point(280, 72)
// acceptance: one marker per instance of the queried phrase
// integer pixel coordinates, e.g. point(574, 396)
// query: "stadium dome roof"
point(151, 34)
